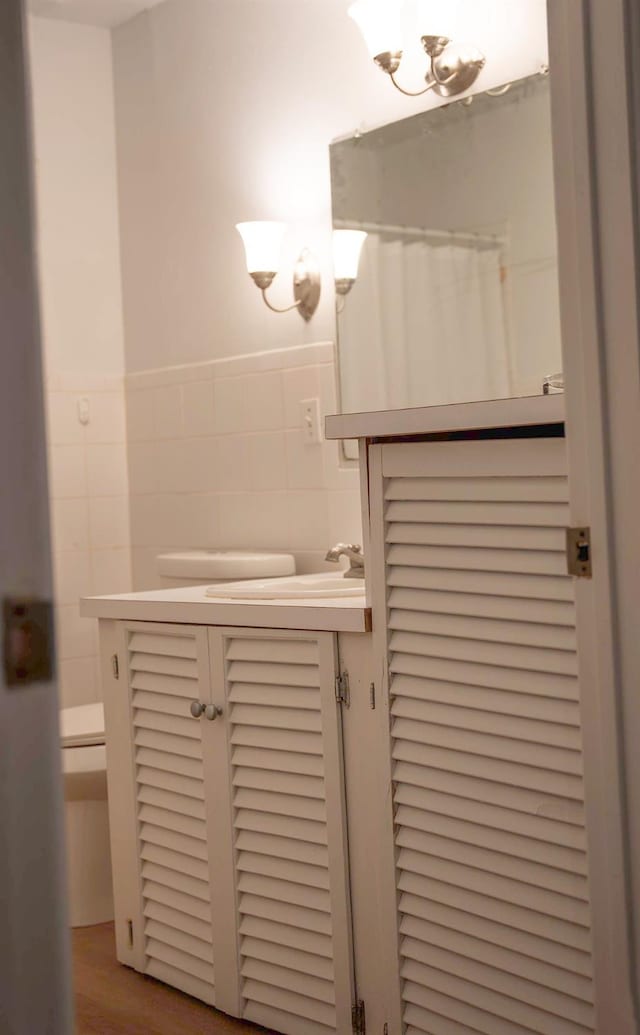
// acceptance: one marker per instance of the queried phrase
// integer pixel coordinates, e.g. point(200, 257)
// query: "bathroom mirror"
point(456, 298)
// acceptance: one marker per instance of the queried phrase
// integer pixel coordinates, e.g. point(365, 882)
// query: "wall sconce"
point(347, 248)
point(453, 67)
point(263, 244)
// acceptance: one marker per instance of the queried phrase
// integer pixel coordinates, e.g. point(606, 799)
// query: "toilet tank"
point(207, 567)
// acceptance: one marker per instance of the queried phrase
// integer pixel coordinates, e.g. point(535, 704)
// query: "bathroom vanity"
point(227, 728)
point(289, 843)
point(486, 903)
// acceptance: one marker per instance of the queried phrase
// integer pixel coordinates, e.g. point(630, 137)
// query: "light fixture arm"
point(452, 68)
point(432, 81)
point(306, 286)
point(273, 308)
point(411, 93)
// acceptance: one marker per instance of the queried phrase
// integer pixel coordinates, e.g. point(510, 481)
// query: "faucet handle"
point(343, 550)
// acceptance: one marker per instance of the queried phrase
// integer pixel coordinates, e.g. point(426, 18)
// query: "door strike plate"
point(579, 552)
point(27, 641)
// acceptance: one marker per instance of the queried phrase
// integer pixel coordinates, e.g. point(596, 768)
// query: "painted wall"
point(225, 112)
point(78, 239)
point(81, 308)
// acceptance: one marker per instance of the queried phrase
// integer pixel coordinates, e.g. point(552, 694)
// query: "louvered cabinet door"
point(167, 667)
point(286, 823)
point(474, 615)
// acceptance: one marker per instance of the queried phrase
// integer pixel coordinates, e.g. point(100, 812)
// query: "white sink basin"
point(295, 587)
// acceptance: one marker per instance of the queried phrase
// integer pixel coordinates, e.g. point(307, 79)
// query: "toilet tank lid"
point(82, 725)
point(228, 565)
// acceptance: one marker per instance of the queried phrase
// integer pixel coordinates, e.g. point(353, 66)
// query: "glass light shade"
point(262, 245)
point(347, 246)
point(380, 23)
point(437, 18)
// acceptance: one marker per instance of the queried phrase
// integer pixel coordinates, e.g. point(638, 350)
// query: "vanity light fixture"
point(347, 247)
point(453, 67)
point(263, 244)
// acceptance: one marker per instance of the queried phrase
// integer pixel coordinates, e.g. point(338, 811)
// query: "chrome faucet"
point(355, 556)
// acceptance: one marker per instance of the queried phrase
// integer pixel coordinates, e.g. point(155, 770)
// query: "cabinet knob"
point(212, 711)
point(197, 708)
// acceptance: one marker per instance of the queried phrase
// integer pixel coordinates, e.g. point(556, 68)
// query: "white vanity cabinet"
point(486, 908)
point(228, 827)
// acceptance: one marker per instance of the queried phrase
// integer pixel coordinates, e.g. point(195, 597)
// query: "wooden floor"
point(114, 1000)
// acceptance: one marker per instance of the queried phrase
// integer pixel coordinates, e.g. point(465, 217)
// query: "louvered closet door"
point(286, 812)
point(474, 613)
point(168, 669)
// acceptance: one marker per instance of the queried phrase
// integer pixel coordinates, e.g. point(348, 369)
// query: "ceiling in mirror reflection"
point(456, 298)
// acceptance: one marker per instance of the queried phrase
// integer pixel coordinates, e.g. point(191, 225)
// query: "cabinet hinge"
point(115, 666)
point(579, 552)
point(342, 689)
point(358, 1021)
point(372, 696)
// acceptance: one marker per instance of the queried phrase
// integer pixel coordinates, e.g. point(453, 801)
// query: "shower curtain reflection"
point(426, 322)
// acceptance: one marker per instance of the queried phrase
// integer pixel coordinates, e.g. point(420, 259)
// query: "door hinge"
point(130, 933)
point(342, 689)
point(115, 666)
point(579, 552)
point(372, 696)
point(358, 1021)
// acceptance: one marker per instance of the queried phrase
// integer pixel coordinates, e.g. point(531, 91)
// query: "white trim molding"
point(592, 65)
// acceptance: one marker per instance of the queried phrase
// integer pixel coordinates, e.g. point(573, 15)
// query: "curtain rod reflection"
point(444, 236)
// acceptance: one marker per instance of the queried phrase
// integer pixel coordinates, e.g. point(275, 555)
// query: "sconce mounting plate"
point(454, 66)
point(306, 284)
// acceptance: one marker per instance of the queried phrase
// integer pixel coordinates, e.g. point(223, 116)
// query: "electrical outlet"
point(310, 421)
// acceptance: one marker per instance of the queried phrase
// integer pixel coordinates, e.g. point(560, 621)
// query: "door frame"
point(35, 958)
point(594, 96)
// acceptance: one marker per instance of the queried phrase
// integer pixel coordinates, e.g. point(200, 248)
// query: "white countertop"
point(189, 605)
point(428, 420)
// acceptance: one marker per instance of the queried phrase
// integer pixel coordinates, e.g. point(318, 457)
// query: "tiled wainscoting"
point(217, 458)
point(88, 490)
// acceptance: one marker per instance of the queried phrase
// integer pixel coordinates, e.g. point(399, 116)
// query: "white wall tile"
point(196, 465)
point(70, 524)
point(111, 571)
point(233, 465)
point(242, 475)
point(109, 522)
point(77, 682)
point(67, 472)
point(147, 469)
point(257, 520)
point(299, 383)
point(229, 396)
point(63, 426)
point(143, 568)
point(71, 575)
point(339, 473)
point(107, 421)
point(345, 517)
point(308, 520)
point(139, 415)
point(305, 467)
point(149, 523)
point(197, 407)
point(76, 635)
point(310, 561)
point(268, 461)
point(200, 527)
point(264, 402)
point(107, 469)
point(167, 412)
